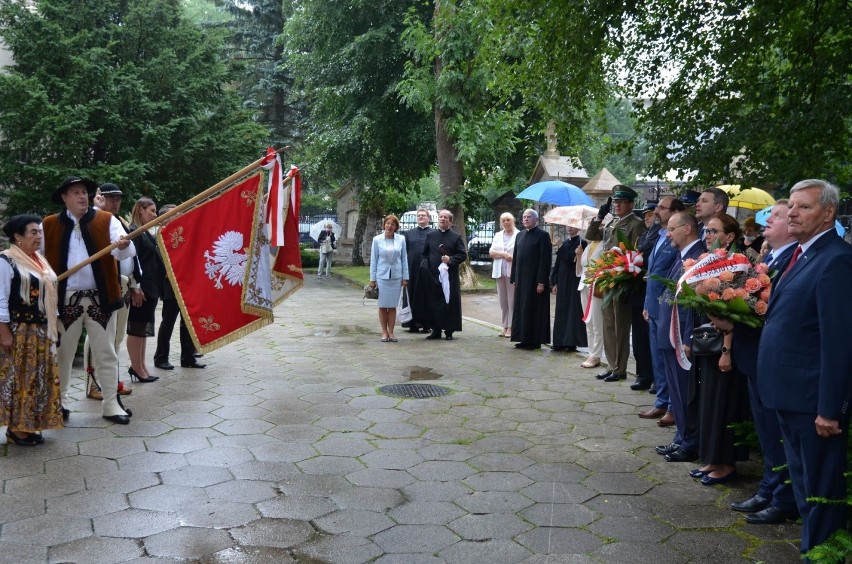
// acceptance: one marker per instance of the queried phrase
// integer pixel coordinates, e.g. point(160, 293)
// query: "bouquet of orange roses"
point(617, 269)
point(725, 285)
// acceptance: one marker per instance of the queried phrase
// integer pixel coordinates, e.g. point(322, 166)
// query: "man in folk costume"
point(91, 295)
point(131, 278)
point(531, 277)
point(443, 252)
point(415, 239)
point(617, 313)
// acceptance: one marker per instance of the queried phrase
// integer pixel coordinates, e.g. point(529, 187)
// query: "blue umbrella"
point(761, 217)
point(556, 192)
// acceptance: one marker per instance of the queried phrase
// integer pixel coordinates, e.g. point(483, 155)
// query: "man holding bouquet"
point(804, 358)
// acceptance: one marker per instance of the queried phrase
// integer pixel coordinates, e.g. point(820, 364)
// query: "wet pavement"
point(284, 450)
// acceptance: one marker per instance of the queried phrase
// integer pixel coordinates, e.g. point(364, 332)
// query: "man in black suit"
point(415, 239)
point(774, 501)
point(531, 277)
point(804, 360)
point(683, 234)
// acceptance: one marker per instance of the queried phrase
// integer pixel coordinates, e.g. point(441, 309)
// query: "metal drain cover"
point(418, 391)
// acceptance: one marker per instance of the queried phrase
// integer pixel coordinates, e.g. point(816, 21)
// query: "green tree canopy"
point(127, 92)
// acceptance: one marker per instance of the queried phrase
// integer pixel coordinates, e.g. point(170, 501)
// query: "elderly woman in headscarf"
point(30, 398)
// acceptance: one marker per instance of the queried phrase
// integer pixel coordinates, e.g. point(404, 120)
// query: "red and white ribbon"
point(275, 209)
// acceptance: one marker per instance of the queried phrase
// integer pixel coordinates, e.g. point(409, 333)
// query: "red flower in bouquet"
point(726, 286)
point(617, 269)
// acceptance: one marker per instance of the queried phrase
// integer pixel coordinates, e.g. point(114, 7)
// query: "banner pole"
point(172, 212)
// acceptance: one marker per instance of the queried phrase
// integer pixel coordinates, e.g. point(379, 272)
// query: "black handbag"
point(707, 340)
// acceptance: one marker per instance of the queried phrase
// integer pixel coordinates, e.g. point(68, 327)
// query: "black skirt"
point(140, 320)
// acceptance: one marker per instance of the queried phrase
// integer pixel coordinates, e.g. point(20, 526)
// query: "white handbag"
point(403, 311)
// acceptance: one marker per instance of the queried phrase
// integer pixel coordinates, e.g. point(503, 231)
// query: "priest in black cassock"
point(442, 246)
point(531, 277)
point(569, 331)
point(415, 239)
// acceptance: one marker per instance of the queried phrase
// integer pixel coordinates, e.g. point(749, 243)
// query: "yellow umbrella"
point(748, 198)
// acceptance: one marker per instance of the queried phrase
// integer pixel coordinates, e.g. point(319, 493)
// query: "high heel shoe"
point(29, 440)
point(135, 376)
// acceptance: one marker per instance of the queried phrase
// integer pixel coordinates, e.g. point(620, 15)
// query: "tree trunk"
point(451, 180)
point(358, 240)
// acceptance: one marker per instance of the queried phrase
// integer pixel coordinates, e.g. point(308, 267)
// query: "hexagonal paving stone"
point(391, 459)
point(134, 523)
point(303, 484)
point(555, 472)
point(199, 476)
point(89, 503)
point(217, 515)
point(96, 550)
point(489, 526)
point(628, 552)
point(441, 471)
point(176, 443)
point(280, 533)
point(493, 502)
point(611, 462)
point(618, 483)
point(242, 491)
point(378, 478)
point(426, 513)
point(343, 424)
point(558, 541)
point(187, 542)
point(152, 462)
point(111, 447)
point(641, 528)
point(486, 552)
point(122, 481)
point(497, 481)
point(193, 420)
point(415, 538)
point(243, 426)
point(15, 508)
point(500, 462)
point(219, 456)
point(346, 548)
point(82, 465)
point(46, 530)
point(354, 522)
point(344, 447)
point(458, 453)
point(605, 445)
point(250, 555)
point(167, 497)
point(553, 492)
point(395, 430)
point(435, 491)
point(283, 452)
point(44, 486)
point(332, 465)
point(370, 499)
point(263, 470)
point(558, 515)
point(300, 507)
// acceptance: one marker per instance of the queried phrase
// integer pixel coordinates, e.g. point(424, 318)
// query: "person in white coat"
point(501, 251)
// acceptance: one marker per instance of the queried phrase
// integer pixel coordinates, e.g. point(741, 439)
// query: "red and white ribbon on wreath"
point(708, 267)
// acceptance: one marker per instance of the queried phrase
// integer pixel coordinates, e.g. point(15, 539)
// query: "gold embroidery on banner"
point(208, 324)
point(293, 268)
point(177, 237)
point(249, 196)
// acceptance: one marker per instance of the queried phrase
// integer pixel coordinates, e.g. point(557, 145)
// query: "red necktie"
point(793, 260)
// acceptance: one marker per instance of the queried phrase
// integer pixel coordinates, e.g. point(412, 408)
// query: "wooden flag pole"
point(171, 213)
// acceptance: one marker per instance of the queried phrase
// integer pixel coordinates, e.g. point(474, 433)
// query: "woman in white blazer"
point(502, 248)
point(388, 270)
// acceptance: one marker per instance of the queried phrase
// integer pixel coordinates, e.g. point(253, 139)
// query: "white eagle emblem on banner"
point(227, 259)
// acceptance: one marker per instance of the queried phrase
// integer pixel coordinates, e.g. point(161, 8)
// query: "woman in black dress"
point(140, 319)
point(569, 331)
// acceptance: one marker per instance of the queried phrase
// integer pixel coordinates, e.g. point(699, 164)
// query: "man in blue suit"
point(774, 502)
point(660, 261)
point(804, 362)
point(683, 234)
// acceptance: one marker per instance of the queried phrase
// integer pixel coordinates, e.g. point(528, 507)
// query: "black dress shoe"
point(752, 505)
point(434, 335)
point(66, 413)
point(708, 480)
point(681, 455)
point(413, 329)
point(770, 516)
point(118, 419)
point(615, 377)
point(640, 385)
point(604, 375)
point(449, 336)
point(164, 365)
point(193, 364)
point(652, 390)
point(667, 449)
point(697, 473)
point(197, 354)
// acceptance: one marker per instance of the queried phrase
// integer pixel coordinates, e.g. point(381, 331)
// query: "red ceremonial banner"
point(288, 261)
point(206, 252)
